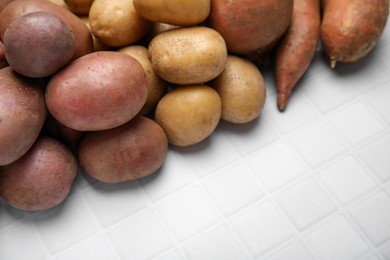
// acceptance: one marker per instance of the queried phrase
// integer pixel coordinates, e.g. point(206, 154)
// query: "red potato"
point(41, 179)
point(128, 152)
point(22, 114)
point(296, 50)
point(250, 27)
point(351, 29)
point(3, 60)
point(38, 44)
point(16, 9)
point(98, 91)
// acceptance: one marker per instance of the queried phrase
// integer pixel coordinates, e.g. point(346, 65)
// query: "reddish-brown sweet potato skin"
point(351, 29)
point(128, 152)
point(41, 179)
point(250, 26)
point(22, 114)
point(296, 50)
point(82, 34)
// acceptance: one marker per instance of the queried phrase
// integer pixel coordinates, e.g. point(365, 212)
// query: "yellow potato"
point(242, 91)
point(190, 55)
point(116, 23)
point(176, 12)
point(189, 114)
point(156, 86)
point(80, 7)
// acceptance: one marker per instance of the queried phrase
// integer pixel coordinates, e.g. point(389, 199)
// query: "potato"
point(177, 12)
point(128, 152)
point(156, 86)
point(98, 91)
point(351, 29)
point(242, 91)
point(22, 114)
point(41, 179)
point(191, 55)
point(116, 23)
point(97, 45)
point(3, 61)
point(18, 8)
point(79, 7)
point(189, 114)
point(38, 44)
point(252, 27)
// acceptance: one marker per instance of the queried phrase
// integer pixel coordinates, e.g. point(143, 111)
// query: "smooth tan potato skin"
point(38, 44)
point(242, 90)
point(22, 114)
point(116, 23)
point(176, 12)
point(98, 91)
point(156, 86)
point(250, 26)
point(189, 114)
point(191, 55)
point(129, 152)
point(351, 29)
point(41, 179)
point(81, 32)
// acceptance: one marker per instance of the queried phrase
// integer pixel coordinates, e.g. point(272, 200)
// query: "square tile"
point(216, 244)
point(372, 215)
point(356, 123)
point(305, 204)
point(295, 250)
point(66, 225)
point(379, 101)
point(9, 214)
point(346, 179)
point(267, 166)
point(261, 228)
point(375, 155)
point(337, 240)
point(141, 236)
point(328, 91)
point(317, 145)
point(19, 239)
point(233, 188)
point(174, 174)
point(241, 136)
point(97, 248)
point(202, 157)
point(107, 201)
point(187, 213)
point(298, 113)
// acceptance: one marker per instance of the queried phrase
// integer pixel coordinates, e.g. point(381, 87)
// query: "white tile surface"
point(337, 239)
point(261, 228)
point(372, 215)
point(305, 203)
point(310, 183)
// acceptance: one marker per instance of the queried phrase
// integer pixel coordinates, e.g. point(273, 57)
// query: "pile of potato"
point(109, 85)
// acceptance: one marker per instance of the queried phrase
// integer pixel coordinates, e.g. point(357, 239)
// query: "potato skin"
point(128, 152)
point(38, 44)
point(98, 91)
point(190, 55)
point(176, 12)
point(250, 27)
point(18, 8)
point(41, 179)
point(116, 23)
point(351, 29)
point(157, 87)
point(22, 114)
point(79, 7)
point(189, 114)
point(242, 90)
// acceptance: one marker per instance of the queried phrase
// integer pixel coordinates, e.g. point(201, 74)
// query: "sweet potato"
point(351, 29)
point(296, 50)
point(250, 27)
